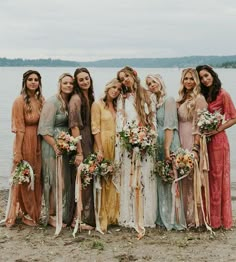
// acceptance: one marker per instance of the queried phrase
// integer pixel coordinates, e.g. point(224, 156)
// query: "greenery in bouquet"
point(165, 170)
point(208, 121)
point(67, 143)
point(91, 167)
point(143, 138)
point(23, 173)
point(184, 161)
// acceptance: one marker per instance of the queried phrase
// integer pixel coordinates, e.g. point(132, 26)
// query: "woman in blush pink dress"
point(218, 147)
point(189, 102)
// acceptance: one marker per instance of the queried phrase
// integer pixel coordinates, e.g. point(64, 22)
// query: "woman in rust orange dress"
point(23, 201)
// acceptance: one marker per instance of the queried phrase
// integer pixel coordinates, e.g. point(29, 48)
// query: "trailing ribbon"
point(59, 188)
point(97, 201)
point(78, 199)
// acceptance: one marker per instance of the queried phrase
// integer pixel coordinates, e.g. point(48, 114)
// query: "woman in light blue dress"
point(169, 215)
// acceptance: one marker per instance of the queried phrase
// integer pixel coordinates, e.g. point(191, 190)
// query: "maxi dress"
point(219, 160)
point(187, 129)
point(138, 189)
point(167, 119)
point(104, 123)
point(21, 198)
point(52, 121)
point(75, 120)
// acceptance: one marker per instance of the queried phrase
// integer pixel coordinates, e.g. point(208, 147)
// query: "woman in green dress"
point(57, 178)
point(170, 213)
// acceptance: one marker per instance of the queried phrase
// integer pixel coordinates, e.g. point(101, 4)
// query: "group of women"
point(134, 196)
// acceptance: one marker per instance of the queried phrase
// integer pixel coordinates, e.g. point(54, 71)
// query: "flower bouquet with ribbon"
point(184, 162)
point(139, 138)
point(23, 173)
point(91, 167)
point(67, 144)
point(208, 121)
point(165, 170)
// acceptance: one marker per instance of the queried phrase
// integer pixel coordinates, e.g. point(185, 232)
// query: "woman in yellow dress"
point(103, 114)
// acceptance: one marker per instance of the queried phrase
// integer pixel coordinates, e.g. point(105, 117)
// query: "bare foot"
point(28, 221)
point(86, 227)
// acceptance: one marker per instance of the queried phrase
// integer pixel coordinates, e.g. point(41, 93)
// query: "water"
point(11, 78)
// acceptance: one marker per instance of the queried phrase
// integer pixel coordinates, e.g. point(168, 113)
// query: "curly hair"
point(142, 96)
point(77, 89)
point(211, 93)
point(109, 85)
point(38, 92)
point(64, 106)
point(189, 97)
point(161, 94)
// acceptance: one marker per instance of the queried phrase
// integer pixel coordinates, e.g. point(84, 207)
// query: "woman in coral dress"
point(134, 178)
point(189, 102)
point(170, 212)
point(57, 177)
point(25, 201)
point(103, 114)
point(218, 147)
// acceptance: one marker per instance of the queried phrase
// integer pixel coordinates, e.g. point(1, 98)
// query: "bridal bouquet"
point(23, 173)
point(91, 167)
point(208, 121)
point(66, 143)
point(138, 137)
point(184, 160)
point(165, 170)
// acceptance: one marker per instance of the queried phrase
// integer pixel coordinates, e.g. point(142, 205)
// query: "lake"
point(11, 78)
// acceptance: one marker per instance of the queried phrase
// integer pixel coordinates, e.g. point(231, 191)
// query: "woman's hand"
point(100, 155)
point(212, 133)
point(196, 155)
point(56, 150)
point(79, 159)
point(17, 157)
point(167, 155)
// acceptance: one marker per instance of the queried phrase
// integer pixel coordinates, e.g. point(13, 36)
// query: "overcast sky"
point(89, 30)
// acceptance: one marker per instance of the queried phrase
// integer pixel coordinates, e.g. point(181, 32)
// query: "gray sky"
point(88, 30)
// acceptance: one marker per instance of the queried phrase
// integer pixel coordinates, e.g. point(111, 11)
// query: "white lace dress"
point(138, 201)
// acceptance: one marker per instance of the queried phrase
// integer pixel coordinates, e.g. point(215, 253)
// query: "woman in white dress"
point(134, 178)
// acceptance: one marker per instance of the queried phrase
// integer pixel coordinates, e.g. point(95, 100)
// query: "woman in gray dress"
point(170, 214)
point(56, 174)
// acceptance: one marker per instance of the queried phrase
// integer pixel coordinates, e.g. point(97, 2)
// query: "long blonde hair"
point(161, 94)
point(192, 95)
point(64, 105)
point(142, 97)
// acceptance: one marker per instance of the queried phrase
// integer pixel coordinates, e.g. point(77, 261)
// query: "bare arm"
point(18, 148)
point(51, 141)
point(167, 142)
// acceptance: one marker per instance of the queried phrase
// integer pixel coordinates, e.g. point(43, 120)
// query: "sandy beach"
point(22, 243)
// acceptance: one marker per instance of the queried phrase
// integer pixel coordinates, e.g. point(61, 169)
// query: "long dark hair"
point(77, 89)
point(38, 93)
point(211, 93)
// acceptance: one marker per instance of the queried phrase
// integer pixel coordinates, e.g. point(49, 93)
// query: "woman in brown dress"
point(80, 124)
point(23, 201)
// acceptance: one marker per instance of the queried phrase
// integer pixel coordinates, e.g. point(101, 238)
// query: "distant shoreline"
point(174, 62)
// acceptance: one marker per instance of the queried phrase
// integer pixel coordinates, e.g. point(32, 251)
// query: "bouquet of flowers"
point(208, 121)
point(184, 160)
point(67, 143)
point(134, 135)
point(165, 170)
point(91, 167)
point(23, 173)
